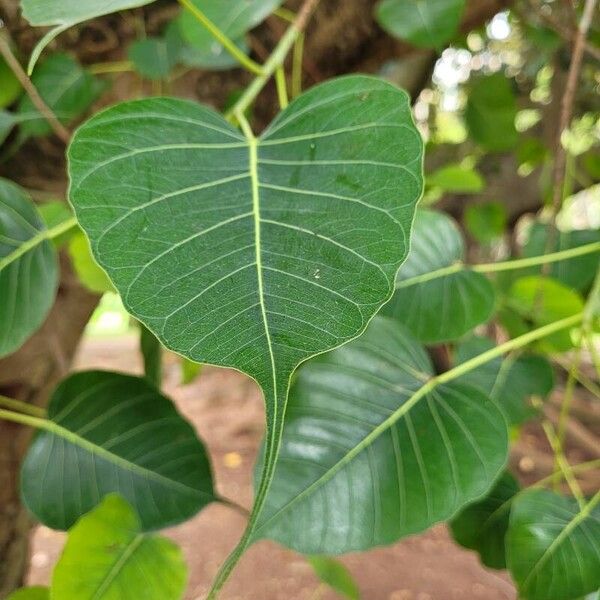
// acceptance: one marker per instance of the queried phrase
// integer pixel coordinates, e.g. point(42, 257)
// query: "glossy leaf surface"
point(553, 548)
point(115, 433)
point(357, 469)
point(28, 269)
point(107, 557)
point(424, 23)
point(442, 308)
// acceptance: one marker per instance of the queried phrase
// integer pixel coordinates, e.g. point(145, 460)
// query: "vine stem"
point(15, 66)
point(32, 242)
point(227, 43)
point(17, 405)
point(509, 265)
point(276, 59)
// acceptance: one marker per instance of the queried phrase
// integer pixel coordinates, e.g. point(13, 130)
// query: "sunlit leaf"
point(10, 88)
point(553, 548)
point(28, 269)
point(441, 308)
point(115, 433)
point(107, 557)
point(456, 179)
point(31, 593)
point(359, 467)
point(88, 271)
point(335, 575)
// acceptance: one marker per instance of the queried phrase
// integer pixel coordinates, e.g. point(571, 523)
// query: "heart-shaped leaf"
point(444, 307)
point(66, 13)
point(359, 466)
point(115, 433)
point(252, 253)
point(553, 547)
point(28, 269)
point(424, 23)
point(107, 557)
point(482, 526)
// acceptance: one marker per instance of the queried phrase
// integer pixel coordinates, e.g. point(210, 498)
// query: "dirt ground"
point(226, 408)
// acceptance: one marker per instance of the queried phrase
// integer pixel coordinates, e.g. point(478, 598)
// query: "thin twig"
point(61, 131)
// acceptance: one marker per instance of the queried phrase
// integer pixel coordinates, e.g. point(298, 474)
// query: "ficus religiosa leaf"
point(423, 23)
point(482, 526)
point(115, 433)
point(107, 557)
point(441, 308)
point(66, 13)
point(553, 546)
point(359, 466)
point(28, 268)
point(253, 253)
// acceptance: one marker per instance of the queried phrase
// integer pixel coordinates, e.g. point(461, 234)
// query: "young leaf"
point(335, 575)
point(154, 58)
point(88, 271)
point(456, 179)
point(68, 90)
point(486, 222)
point(28, 269)
point(253, 253)
point(31, 593)
point(359, 467)
point(446, 307)
point(423, 23)
point(107, 557)
point(66, 13)
point(482, 526)
point(490, 113)
point(115, 433)
point(553, 547)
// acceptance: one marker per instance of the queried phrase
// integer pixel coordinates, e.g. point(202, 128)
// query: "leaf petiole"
point(13, 404)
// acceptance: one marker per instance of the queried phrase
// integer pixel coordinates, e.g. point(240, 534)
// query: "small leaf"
point(87, 269)
point(31, 593)
point(115, 433)
point(107, 557)
point(28, 269)
point(154, 58)
point(10, 88)
point(66, 88)
point(553, 547)
point(443, 308)
point(486, 222)
point(457, 179)
point(423, 23)
point(542, 300)
point(335, 575)
point(359, 467)
point(482, 526)
point(490, 113)
point(189, 370)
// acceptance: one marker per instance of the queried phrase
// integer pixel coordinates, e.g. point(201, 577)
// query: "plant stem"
point(568, 396)
point(15, 66)
point(233, 505)
point(23, 419)
point(228, 44)
point(509, 265)
point(298, 59)
point(122, 66)
point(579, 468)
point(276, 59)
point(281, 83)
point(32, 242)
point(17, 405)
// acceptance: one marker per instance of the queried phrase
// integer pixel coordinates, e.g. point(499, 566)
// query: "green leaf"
point(152, 354)
point(511, 381)
point(457, 179)
point(232, 17)
point(10, 88)
point(423, 23)
point(189, 370)
point(486, 222)
point(66, 13)
point(28, 269)
point(441, 308)
point(115, 433)
point(553, 547)
point(253, 253)
point(359, 467)
point(542, 300)
point(490, 113)
point(87, 269)
point(67, 89)
point(31, 593)
point(482, 526)
point(577, 273)
point(8, 121)
point(154, 58)
point(335, 575)
point(107, 557)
